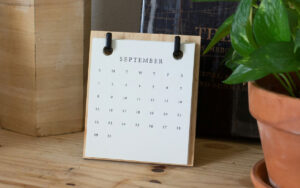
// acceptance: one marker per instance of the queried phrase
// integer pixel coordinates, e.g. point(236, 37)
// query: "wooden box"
point(43, 58)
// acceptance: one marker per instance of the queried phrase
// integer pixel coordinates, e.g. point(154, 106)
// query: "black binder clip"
point(107, 50)
point(177, 54)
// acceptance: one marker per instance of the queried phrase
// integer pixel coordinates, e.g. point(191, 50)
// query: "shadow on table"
point(210, 151)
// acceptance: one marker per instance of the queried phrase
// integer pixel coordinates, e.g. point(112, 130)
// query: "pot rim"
point(256, 179)
point(274, 109)
point(273, 92)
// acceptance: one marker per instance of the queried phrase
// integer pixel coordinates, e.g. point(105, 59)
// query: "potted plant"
point(265, 37)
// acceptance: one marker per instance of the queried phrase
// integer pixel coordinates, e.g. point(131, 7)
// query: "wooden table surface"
point(56, 162)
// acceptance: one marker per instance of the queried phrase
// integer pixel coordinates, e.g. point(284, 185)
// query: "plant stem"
point(281, 81)
point(284, 84)
point(288, 84)
point(298, 74)
point(291, 80)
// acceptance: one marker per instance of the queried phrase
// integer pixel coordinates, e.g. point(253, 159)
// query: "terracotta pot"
point(259, 175)
point(278, 118)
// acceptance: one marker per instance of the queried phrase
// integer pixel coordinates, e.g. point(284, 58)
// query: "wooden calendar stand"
point(160, 37)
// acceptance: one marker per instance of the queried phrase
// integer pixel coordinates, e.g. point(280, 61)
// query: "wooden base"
point(57, 161)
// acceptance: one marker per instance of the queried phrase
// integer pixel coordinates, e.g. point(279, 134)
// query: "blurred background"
point(222, 109)
point(116, 15)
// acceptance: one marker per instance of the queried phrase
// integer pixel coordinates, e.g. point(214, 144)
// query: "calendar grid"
point(136, 110)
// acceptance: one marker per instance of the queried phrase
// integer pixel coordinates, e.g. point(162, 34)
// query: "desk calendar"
point(141, 100)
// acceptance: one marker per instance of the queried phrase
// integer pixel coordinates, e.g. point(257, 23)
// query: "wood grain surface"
point(43, 64)
point(57, 161)
point(17, 65)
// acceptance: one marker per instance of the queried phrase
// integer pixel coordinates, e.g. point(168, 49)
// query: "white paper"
point(139, 109)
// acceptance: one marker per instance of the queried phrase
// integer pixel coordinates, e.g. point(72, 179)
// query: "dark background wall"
point(116, 15)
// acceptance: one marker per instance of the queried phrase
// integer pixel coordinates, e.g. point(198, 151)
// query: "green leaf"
point(293, 20)
point(232, 62)
point(222, 32)
point(297, 41)
point(295, 4)
point(277, 57)
point(271, 23)
point(232, 65)
point(244, 74)
point(228, 55)
point(241, 32)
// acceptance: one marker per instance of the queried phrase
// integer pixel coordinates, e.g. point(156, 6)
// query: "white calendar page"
point(139, 102)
